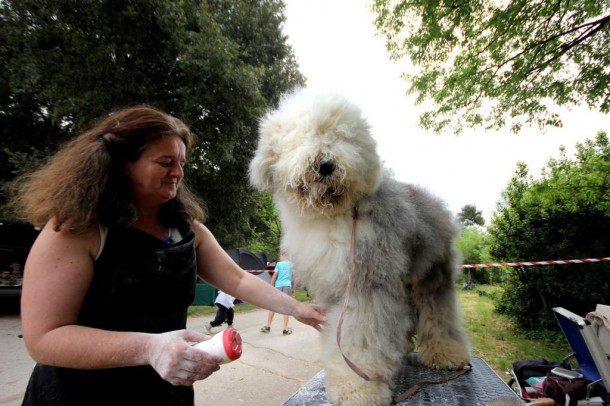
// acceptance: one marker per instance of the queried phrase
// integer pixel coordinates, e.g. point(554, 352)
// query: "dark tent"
point(255, 264)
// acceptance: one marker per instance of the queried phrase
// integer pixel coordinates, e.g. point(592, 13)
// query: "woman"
point(108, 282)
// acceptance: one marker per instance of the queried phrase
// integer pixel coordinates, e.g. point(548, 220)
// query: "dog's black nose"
point(327, 167)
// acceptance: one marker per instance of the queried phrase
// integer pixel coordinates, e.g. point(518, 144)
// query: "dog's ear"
point(261, 166)
point(260, 169)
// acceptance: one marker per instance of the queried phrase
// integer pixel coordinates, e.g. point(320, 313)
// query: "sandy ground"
point(271, 369)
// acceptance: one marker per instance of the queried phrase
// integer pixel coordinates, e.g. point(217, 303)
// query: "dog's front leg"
point(371, 340)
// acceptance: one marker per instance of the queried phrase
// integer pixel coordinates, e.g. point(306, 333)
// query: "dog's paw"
point(358, 392)
point(444, 354)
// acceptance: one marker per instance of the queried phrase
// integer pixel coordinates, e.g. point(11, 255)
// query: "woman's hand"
point(312, 315)
point(175, 360)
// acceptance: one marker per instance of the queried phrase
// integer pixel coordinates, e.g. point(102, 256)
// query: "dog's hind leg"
point(442, 340)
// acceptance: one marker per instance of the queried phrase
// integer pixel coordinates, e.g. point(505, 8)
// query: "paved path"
point(271, 368)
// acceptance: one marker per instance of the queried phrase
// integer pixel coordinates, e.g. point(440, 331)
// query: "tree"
point(217, 65)
point(267, 230)
point(494, 63)
point(563, 215)
point(473, 244)
point(470, 216)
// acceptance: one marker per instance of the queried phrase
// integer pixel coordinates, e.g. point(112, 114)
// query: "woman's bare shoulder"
point(63, 239)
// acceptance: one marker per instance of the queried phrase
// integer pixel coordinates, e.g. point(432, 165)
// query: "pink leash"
point(352, 264)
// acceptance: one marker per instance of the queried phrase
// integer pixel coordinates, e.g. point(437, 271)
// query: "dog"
point(378, 254)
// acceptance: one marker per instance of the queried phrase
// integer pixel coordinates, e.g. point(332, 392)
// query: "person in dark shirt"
point(109, 279)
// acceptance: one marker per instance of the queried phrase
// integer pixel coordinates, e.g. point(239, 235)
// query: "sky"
point(337, 50)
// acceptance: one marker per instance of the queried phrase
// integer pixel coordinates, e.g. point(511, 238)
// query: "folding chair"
point(593, 362)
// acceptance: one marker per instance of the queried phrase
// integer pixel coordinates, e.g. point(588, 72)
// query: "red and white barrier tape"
point(536, 263)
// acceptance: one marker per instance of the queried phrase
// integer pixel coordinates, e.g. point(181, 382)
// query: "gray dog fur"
point(318, 159)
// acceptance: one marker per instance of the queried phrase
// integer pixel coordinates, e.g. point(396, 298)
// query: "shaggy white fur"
point(317, 157)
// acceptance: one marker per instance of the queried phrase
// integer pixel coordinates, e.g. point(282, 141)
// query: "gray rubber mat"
point(477, 387)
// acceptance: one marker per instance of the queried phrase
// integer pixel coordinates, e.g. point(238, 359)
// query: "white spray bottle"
point(226, 344)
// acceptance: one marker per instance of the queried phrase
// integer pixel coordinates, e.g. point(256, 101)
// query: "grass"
point(493, 337)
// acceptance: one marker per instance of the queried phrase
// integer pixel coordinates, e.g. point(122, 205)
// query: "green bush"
point(563, 215)
point(531, 293)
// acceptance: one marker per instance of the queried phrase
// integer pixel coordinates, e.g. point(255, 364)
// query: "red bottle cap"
point(231, 341)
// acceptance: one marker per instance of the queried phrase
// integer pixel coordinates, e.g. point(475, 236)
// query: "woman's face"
point(155, 176)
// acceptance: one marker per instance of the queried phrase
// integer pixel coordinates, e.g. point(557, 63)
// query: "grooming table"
point(476, 387)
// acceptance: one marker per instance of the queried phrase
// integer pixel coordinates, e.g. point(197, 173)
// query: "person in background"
point(282, 279)
point(224, 303)
point(109, 279)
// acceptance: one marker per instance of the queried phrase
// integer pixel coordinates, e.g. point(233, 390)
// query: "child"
point(282, 279)
point(224, 302)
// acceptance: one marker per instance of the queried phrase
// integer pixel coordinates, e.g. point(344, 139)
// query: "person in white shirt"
point(225, 303)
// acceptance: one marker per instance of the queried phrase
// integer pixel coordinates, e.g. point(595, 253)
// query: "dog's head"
point(316, 152)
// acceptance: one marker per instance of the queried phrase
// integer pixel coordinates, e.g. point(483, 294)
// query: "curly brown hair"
point(83, 184)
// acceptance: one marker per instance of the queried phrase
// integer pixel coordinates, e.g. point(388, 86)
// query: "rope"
point(537, 263)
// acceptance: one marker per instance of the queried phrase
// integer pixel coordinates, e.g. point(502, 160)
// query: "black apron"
point(139, 284)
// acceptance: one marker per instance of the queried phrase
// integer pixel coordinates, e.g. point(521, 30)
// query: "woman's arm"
point(57, 275)
point(216, 267)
